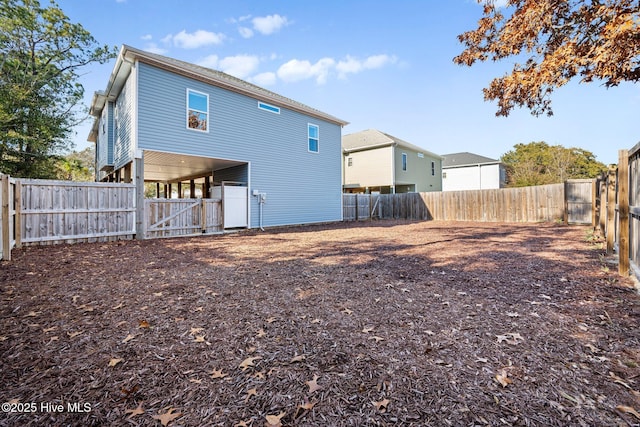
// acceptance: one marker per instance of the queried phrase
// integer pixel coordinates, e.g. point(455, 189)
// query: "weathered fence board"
point(527, 204)
point(64, 211)
point(7, 216)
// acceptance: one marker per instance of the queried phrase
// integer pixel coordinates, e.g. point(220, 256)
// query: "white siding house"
point(468, 171)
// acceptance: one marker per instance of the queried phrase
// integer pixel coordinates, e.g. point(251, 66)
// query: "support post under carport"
point(139, 181)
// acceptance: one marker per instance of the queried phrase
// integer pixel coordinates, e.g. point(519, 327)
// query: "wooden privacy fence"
point(179, 217)
point(46, 212)
point(618, 212)
point(525, 204)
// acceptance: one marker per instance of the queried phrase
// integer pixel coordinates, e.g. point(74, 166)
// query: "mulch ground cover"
point(369, 324)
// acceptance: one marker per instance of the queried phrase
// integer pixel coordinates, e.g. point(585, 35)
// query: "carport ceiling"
point(168, 167)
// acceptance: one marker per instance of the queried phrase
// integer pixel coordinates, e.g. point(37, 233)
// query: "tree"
point(77, 166)
point(41, 53)
point(538, 163)
point(558, 40)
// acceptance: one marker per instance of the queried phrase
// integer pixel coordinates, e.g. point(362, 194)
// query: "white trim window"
point(433, 168)
point(197, 111)
point(313, 133)
point(404, 161)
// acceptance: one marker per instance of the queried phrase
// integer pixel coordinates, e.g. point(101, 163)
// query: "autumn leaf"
point(143, 324)
point(261, 333)
point(128, 338)
point(114, 361)
point(195, 331)
point(382, 405)
point(133, 412)
point(368, 329)
point(378, 339)
point(167, 417)
point(271, 319)
point(218, 374)
point(199, 338)
point(502, 378)
point(313, 384)
point(347, 311)
point(297, 359)
point(307, 406)
point(246, 363)
point(316, 321)
point(274, 420)
point(241, 424)
point(251, 392)
point(628, 410)
point(195, 381)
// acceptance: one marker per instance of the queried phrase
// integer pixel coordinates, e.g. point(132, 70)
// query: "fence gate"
point(180, 217)
point(579, 200)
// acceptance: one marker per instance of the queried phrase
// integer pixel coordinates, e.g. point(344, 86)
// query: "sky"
point(385, 65)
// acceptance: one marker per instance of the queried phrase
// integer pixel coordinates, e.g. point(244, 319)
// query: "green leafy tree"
point(556, 40)
point(77, 166)
point(538, 163)
point(41, 53)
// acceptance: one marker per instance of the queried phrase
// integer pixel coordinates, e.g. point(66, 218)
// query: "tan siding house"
point(376, 161)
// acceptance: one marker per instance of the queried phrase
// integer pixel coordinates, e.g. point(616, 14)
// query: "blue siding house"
point(183, 123)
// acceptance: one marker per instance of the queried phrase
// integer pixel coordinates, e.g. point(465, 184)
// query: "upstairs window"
point(314, 138)
point(349, 161)
point(433, 168)
point(268, 107)
point(404, 161)
point(197, 110)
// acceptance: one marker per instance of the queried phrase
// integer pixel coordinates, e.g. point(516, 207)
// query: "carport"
point(185, 195)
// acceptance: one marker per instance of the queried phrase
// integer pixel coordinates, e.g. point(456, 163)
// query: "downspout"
point(393, 168)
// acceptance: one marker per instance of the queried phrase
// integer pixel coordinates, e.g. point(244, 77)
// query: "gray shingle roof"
point(465, 159)
point(373, 138)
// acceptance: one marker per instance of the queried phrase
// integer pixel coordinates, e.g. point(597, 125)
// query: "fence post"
point(623, 212)
point(140, 213)
point(17, 218)
point(6, 220)
point(611, 208)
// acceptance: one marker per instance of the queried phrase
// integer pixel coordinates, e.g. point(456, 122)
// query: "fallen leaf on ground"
point(628, 410)
point(382, 405)
point(167, 417)
point(246, 363)
point(378, 339)
point(347, 311)
point(128, 338)
point(313, 384)
point(242, 424)
point(251, 392)
point(502, 378)
point(261, 333)
point(195, 331)
point(368, 329)
point(199, 338)
point(218, 374)
point(114, 361)
point(195, 381)
point(271, 319)
point(274, 420)
point(134, 412)
point(297, 358)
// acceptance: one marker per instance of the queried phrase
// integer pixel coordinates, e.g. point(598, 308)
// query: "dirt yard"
point(383, 323)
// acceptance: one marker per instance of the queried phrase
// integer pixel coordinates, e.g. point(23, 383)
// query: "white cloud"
point(146, 37)
point(269, 24)
point(245, 32)
point(296, 70)
point(154, 48)
point(264, 79)
point(351, 65)
point(210, 61)
point(194, 40)
point(240, 65)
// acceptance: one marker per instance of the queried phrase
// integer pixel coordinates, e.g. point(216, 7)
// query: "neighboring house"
point(184, 123)
point(468, 171)
point(376, 161)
